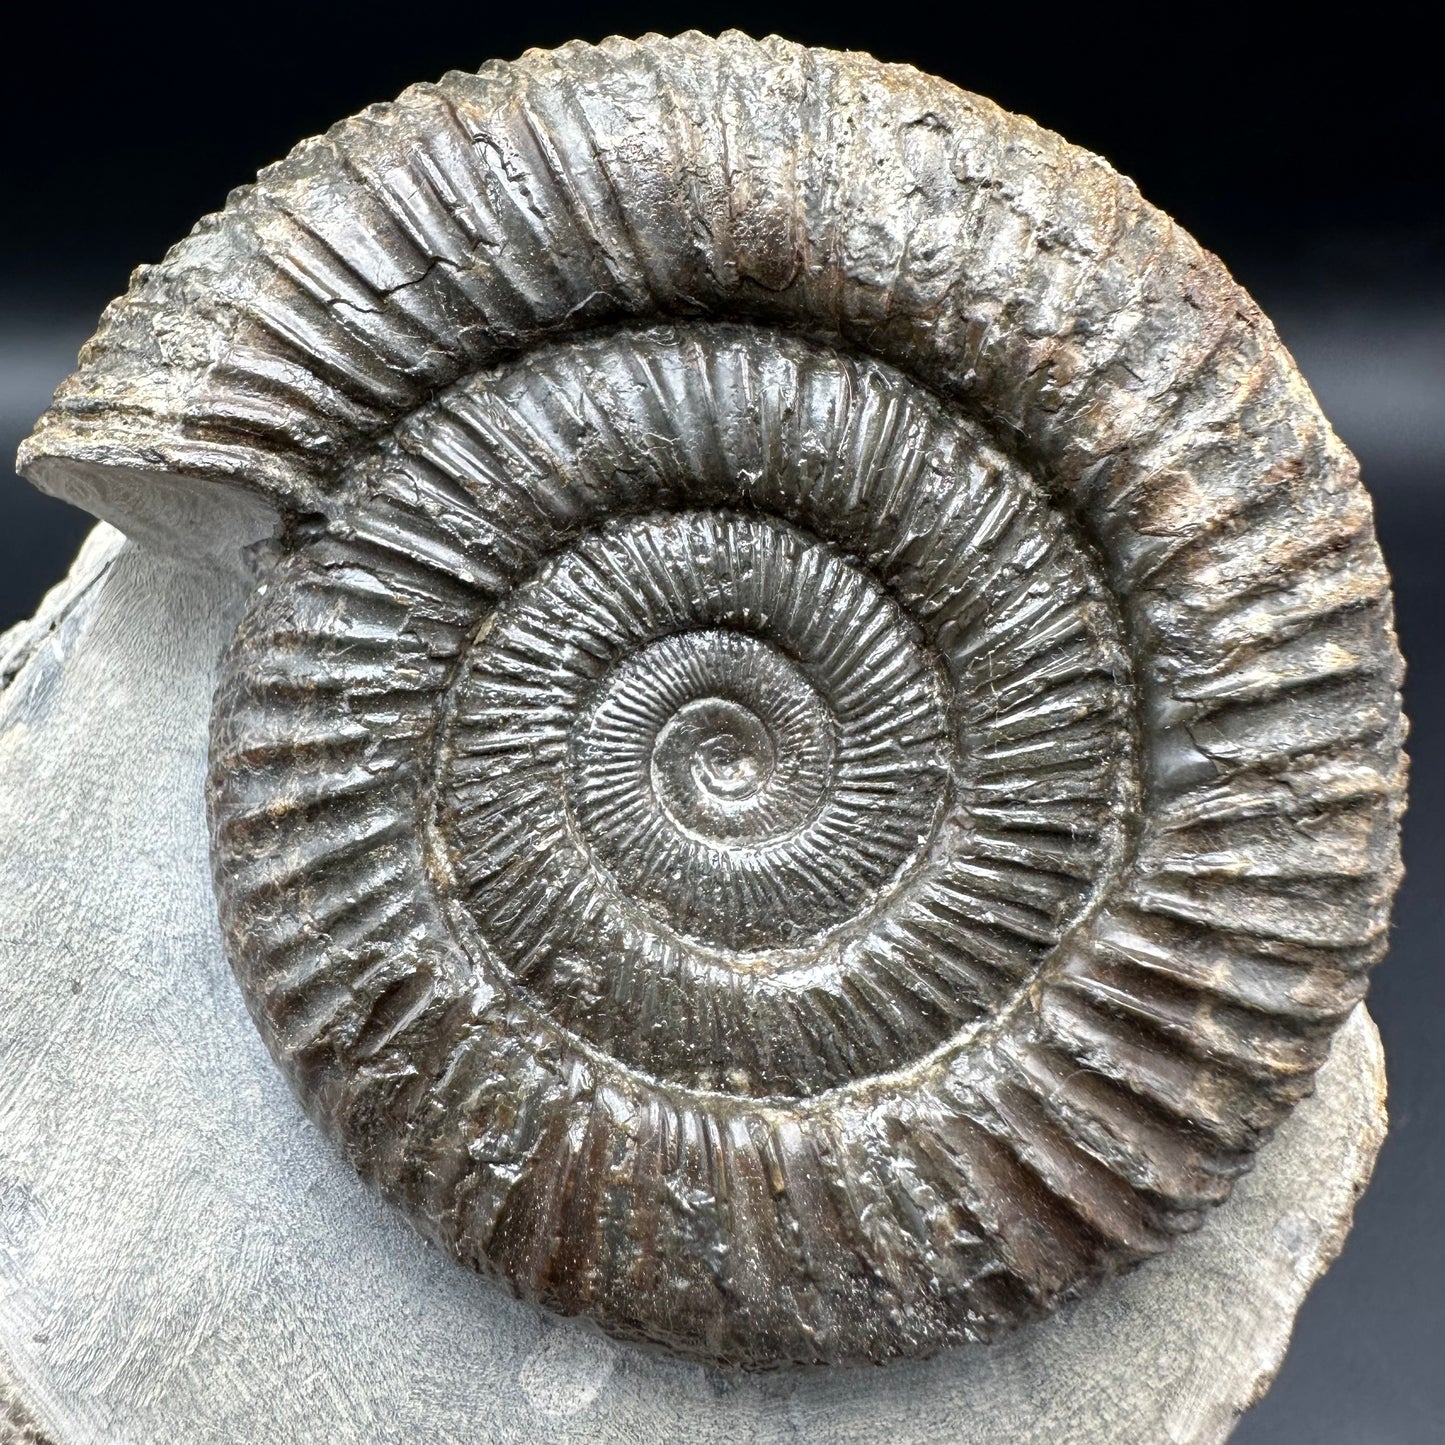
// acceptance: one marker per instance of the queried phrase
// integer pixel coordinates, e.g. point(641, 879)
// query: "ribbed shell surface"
point(820, 757)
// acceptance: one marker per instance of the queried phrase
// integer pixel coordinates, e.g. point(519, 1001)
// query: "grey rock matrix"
point(186, 1259)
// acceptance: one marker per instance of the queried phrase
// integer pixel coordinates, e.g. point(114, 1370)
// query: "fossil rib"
point(820, 757)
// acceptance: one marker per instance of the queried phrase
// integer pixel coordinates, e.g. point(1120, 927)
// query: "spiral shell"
point(818, 759)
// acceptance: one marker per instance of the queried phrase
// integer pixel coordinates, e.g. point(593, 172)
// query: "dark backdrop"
point(1299, 144)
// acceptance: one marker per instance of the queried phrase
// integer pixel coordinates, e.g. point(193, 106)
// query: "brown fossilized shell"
point(818, 759)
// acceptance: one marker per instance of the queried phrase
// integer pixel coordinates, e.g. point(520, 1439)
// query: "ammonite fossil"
point(815, 759)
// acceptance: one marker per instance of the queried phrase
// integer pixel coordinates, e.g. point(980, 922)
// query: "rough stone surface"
point(816, 760)
point(184, 1257)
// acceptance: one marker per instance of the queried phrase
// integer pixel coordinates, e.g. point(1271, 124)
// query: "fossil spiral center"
point(719, 770)
point(713, 735)
point(716, 748)
point(712, 757)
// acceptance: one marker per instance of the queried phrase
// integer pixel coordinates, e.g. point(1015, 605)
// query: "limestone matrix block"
point(186, 1257)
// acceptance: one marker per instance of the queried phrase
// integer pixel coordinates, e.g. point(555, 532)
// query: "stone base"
point(184, 1257)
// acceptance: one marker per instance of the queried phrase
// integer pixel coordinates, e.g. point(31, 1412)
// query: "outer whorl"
point(818, 759)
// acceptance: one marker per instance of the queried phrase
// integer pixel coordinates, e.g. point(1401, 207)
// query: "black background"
point(1298, 143)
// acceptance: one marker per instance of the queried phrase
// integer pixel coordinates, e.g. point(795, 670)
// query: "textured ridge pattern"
point(575, 378)
point(961, 748)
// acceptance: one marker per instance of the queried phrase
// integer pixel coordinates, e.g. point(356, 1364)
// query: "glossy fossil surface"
point(817, 761)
